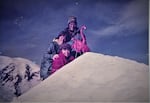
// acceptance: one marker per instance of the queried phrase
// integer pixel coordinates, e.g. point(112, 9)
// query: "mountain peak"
point(17, 76)
point(93, 77)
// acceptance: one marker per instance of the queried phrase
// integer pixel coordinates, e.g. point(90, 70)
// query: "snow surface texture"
point(93, 78)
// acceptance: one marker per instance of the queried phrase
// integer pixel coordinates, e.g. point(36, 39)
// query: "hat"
point(62, 33)
point(65, 46)
point(72, 19)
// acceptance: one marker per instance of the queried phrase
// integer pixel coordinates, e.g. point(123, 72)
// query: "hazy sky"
point(114, 27)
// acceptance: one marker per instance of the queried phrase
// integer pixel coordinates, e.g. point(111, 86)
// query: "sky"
point(114, 27)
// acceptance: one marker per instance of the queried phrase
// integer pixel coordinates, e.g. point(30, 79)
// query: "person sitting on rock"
point(50, 55)
point(63, 58)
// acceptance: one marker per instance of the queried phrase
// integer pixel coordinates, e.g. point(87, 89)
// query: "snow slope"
point(14, 80)
point(94, 78)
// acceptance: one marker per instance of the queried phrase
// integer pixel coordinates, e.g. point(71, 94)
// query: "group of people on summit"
point(68, 45)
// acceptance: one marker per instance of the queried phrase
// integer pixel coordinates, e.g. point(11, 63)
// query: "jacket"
point(46, 64)
point(60, 62)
